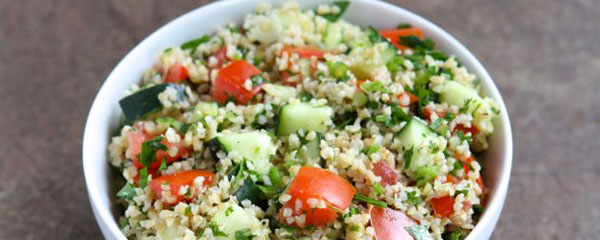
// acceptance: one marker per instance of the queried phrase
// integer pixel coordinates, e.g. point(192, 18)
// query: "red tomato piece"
point(285, 76)
point(304, 51)
point(358, 84)
point(176, 73)
point(412, 98)
point(480, 183)
point(443, 206)
point(394, 35)
point(467, 166)
point(178, 180)
point(473, 130)
point(387, 173)
point(230, 82)
point(390, 224)
point(451, 179)
point(137, 137)
point(319, 184)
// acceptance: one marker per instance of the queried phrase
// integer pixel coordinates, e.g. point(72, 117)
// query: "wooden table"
point(543, 55)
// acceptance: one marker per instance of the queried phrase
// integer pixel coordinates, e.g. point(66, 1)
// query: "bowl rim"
point(102, 212)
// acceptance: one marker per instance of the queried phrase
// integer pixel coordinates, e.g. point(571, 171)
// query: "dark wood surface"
point(543, 55)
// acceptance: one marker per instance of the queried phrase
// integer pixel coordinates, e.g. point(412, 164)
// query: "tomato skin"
point(443, 206)
point(320, 184)
point(473, 130)
point(395, 34)
point(178, 180)
point(412, 98)
point(390, 224)
point(285, 76)
point(387, 174)
point(451, 179)
point(304, 51)
point(176, 73)
point(230, 82)
point(137, 137)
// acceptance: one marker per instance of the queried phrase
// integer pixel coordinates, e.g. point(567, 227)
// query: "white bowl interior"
point(104, 114)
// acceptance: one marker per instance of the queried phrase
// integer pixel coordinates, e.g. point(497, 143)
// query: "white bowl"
point(104, 115)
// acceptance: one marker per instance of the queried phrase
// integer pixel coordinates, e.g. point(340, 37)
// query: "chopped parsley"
point(163, 165)
point(144, 177)
point(434, 147)
point(257, 79)
point(403, 26)
point(464, 137)
point(412, 198)
point(407, 155)
point(375, 202)
point(378, 188)
point(193, 44)
point(354, 228)
point(215, 229)
point(464, 192)
point(374, 86)
point(416, 43)
point(243, 234)
point(228, 211)
point(124, 222)
point(127, 192)
point(149, 148)
point(370, 150)
point(382, 118)
point(332, 17)
point(188, 210)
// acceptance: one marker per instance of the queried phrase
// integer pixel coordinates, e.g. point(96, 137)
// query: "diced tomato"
point(387, 174)
point(390, 224)
point(467, 165)
point(137, 137)
point(304, 51)
point(221, 56)
point(412, 98)
point(395, 34)
point(319, 184)
point(473, 130)
point(285, 76)
point(428, 112)
point(176, 73)
point(230, 82)
point(451, 179)
point(358, 84)
point(480, 183)
point(443, 206)
point(178, 180)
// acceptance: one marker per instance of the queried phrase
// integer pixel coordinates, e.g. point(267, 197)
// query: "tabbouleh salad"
point(300, 125)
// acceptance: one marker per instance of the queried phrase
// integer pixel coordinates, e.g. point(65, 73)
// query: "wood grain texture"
point(543, 55)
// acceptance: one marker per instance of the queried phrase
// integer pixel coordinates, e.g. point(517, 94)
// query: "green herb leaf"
point(123, 222)
point(258, 79)
point(416, 43)
point(163, 164)
point(275, 177)
point(378, 188)
point(144, 177)
point(243, 234)
point(215, 229)
point(149, 148)
point(374, 86)
point(407, 156)
point(375, 202)
point(403, 26)
point(370, 150)
point(188, 210)
point(412, 198)
point(398, 115)
point(193, 44)
point(228, 211)
point(127, 192)
point(332, 17)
